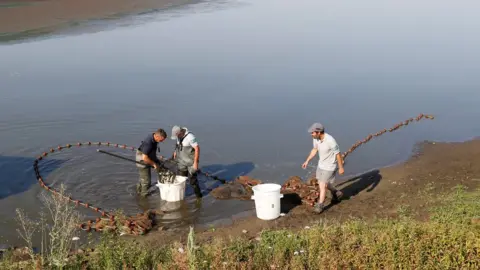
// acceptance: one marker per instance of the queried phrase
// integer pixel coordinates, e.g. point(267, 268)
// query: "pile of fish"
point(166, 176)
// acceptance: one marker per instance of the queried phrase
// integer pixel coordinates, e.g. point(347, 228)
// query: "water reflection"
point(177, 214)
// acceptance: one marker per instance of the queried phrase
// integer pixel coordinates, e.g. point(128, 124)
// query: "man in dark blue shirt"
point(147, 154)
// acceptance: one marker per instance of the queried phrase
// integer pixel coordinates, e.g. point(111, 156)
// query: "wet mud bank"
point(23, 17)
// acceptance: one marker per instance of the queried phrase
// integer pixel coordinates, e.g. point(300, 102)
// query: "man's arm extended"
point(312, 154)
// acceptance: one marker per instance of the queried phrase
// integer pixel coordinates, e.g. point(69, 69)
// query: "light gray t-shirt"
point(327, 152)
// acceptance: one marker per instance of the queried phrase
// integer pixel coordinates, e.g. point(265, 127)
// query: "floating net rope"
point(143, 222)
point(308, 191)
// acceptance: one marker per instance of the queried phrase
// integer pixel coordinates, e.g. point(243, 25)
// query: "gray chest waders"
point(145, 174)
point(185, 154)
point(185, 158)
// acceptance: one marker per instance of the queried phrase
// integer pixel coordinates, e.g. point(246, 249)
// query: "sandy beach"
point(24, 15)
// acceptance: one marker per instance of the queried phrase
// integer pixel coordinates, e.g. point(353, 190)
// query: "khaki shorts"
point(324, 176)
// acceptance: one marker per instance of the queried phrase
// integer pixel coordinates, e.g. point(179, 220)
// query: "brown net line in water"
point(143, 222)
point(133, 225)
point(394, 128)
point(308, 191)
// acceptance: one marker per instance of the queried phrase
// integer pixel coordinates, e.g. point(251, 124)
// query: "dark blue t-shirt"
point(149, 148)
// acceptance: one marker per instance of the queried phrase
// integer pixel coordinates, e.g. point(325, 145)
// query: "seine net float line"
point(134, 225)
point(143, 222)
point(309, 191)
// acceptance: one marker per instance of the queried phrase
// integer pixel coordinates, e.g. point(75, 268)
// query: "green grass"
point(460, 207)
point(449, 240)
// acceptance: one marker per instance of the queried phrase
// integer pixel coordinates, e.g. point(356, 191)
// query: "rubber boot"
point(144, 182)
point(193, 182)
point(195, 185)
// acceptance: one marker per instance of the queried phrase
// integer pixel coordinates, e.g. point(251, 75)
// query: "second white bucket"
point(173, 192)
point(267, 200)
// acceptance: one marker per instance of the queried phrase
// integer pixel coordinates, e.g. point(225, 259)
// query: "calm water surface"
point(248, 78)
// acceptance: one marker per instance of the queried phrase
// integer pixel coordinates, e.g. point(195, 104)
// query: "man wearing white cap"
point(187, 153)
point(330, 160)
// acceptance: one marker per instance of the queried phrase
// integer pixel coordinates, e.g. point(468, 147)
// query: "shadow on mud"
point(367, 181)
point(289, 201)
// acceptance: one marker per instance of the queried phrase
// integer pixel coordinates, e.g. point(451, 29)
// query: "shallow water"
point(248, 78)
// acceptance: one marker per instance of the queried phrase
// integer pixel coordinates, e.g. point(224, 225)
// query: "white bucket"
point(173, 192)
point(267, 200)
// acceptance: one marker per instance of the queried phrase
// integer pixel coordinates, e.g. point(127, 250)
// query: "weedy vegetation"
point(449, 239)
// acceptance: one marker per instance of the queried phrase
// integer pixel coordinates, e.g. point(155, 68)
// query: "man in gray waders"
point(187, 153)
point(147, 154)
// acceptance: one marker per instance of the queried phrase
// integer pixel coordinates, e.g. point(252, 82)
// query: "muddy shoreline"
point(433, 167)
point(18, 16)
point(415, 185)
